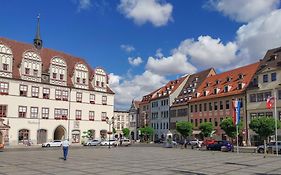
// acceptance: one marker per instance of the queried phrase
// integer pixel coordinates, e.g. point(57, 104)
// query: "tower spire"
point(38, 43)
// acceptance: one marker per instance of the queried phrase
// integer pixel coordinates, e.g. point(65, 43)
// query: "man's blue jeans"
point(65, 152)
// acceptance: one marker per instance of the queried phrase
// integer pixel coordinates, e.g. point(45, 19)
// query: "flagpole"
point(237, 138)
point(275, 113)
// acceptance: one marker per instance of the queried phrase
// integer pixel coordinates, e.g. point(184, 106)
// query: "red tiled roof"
point(193, 82)
point(170, 86)
point(247, 72)
point(18, 48)
point(146, 99)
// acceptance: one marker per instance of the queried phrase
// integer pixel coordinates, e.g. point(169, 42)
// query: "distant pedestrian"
point(185, 143)
point(65, 145)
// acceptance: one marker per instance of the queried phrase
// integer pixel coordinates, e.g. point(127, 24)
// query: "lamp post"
point(109, 122)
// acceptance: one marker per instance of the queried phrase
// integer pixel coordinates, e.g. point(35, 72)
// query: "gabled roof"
point(191, 85)
point(271, 59)
point(168, 89)
point(230, 79)
point(146, 99)
point(18, 48)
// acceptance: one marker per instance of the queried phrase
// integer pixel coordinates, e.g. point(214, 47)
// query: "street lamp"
point(109, 122)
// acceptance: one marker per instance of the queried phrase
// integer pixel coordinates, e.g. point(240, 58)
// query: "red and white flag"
point(269, 102)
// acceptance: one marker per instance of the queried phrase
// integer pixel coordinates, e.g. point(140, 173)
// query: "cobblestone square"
point(135, 160)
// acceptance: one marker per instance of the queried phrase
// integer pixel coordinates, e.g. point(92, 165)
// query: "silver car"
point(270, 146)
point(55, 143)
point(92, 143)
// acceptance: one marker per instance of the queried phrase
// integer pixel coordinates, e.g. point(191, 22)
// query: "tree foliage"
point(229, 128)
point(206, 129)
point(89, 134)
point(264, 126)
point(184, 128)
point(126, 132)
point(147, 131)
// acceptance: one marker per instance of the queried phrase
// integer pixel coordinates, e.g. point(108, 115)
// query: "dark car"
point(159, 141)
point(219, 144)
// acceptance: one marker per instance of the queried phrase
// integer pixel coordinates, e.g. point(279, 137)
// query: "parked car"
point(1, 146)
point(55, 143)
point(125, 142)
point(92, 143)
point(195, 142)
point(209, 141)
point(106, 142)
point(271, 145)
point(219, 144)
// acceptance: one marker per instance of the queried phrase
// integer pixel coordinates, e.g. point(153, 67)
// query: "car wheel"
point(89, 144)
point(261, 150)
point(48, 145)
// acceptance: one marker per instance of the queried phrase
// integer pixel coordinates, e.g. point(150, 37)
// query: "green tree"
point(264, 126)
point(113, 130)
point(229, 128)
point(206, 129)
point(89, 134)
point(147, 132)
point(126, 132)
point(184, 128)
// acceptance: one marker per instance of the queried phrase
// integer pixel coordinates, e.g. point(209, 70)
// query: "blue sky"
point(144, 43)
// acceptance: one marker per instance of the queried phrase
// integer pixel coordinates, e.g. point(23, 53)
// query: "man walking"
point(65, 145)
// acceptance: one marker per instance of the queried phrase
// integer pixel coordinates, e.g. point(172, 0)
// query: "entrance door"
point(23, 135)
point(59, 133)
point(75, 136)
point(41, 136)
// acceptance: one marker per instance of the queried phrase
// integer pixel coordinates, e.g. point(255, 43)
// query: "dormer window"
point(225, 88)
point(54, 75)
point(27, 71)
point(217, 81)
point(61, 76)
point(240, 76)
point(207, 84)
point(84, 80)
point(205, 93)
point(228, 79)
point(35, 72)
point(216, 91)
point(239, 86)
point(77, 79)
point(5, 67)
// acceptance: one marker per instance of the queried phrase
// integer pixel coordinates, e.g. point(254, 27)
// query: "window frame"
point(4, 88)
point(23, 90)
point(34, 112)
point(3, 110)
point(22, 111)
point(78, 114)
point(45, 115)
point(35, 91)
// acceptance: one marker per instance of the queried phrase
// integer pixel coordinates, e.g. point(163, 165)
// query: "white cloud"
point(204, 53)
point(259, 35)
point(208, 52)
point(142, 11)
point(84, 4)
point(244, 10)
point(127, 48)
point(134, 88)
point(159, 53)
point(135, 61)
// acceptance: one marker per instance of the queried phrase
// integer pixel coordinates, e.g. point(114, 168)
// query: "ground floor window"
point(103, 134)
point(75, 136)
point(23, 135)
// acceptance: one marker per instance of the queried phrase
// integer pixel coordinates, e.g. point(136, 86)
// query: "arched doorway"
point(59, 133)
point(23, 136)
point(1, 138)
point(132, 136)
point(41, 136)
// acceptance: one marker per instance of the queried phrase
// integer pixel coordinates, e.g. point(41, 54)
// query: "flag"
point(269, 102)
point(236, 105)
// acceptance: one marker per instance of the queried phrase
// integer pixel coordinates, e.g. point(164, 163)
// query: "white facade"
point(121, 121)
point(40, 105)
